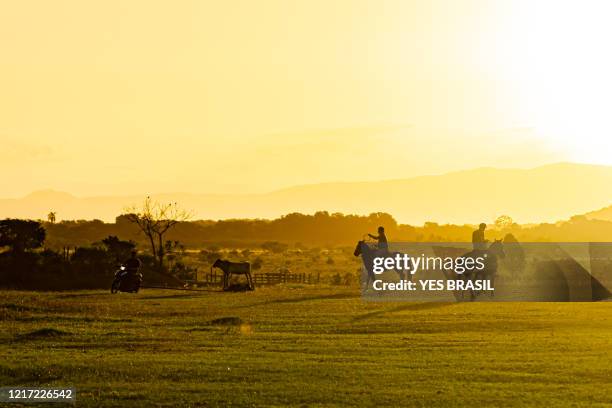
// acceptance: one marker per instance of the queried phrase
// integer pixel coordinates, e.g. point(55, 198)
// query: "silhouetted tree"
point(119, 250)
point(503, 222)
point(51, 217)
point(21, 235)
point(155, 220)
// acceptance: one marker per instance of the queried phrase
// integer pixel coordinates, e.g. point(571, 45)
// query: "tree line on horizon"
point(84, 254)
point(320, 229)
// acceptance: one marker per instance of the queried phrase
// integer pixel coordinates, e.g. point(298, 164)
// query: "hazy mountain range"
point(547, 193)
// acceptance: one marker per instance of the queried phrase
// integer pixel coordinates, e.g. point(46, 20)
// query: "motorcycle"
point(126, 282)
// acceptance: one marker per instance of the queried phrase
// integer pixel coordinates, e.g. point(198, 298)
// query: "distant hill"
point(546, 193)
point(604, 214)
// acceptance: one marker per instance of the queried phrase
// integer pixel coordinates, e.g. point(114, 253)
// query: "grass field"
point(305, 347)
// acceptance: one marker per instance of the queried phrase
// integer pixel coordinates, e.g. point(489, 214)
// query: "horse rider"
point(478, 238)
point(381, 239)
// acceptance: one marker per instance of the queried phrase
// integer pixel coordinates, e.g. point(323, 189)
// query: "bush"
point(275, 247)
point(117, 249)
point(336, 279)
point(210, 256)
point(183, 272)
point(21, 235)
point(257, 263)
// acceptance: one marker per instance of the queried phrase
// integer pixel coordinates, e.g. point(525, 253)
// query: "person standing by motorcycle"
point(132, 265)
point(128, 278)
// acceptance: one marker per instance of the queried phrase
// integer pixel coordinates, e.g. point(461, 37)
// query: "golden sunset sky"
point(117, 97)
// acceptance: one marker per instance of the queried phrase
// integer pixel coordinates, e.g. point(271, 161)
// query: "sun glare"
point(557, 54)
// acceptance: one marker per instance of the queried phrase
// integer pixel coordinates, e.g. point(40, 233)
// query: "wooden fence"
point(274, 278)
point(215, 278)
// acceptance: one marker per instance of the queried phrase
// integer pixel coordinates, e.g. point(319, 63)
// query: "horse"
point(368, 254)
point(490, 256)
point(237, 268)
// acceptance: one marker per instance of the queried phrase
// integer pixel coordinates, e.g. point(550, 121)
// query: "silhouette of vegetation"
point(257, 264)
point(275, 247)
point(318, 230)
point(51, 217)
point(26, 265)
point(21, 235)
point(119, 250)
point(155, 220)
point(503, 222)
point(85, 254)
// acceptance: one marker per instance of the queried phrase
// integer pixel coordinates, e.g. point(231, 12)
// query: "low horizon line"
point(143, 194)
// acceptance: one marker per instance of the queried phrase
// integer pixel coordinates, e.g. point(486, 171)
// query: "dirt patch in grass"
point(44, 333)
point(232, 324)
point(226, 321)
point(199, 329)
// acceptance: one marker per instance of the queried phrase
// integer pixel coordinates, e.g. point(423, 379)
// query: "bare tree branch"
point(154, 219)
